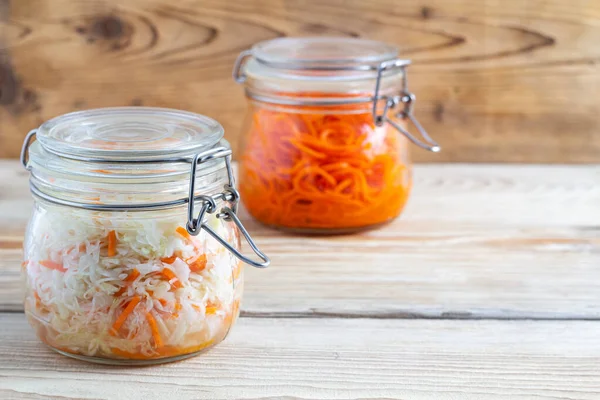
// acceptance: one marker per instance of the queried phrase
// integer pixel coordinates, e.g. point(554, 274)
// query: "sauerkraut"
point(132, 286)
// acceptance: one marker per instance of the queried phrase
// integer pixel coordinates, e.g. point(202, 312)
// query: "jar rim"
point(321, 59)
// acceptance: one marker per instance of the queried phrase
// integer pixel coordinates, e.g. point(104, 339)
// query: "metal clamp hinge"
point(230, 194)
point(408, 99)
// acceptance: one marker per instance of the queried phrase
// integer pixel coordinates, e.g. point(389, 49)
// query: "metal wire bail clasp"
point(238, 75)
point(25, 149)
point(408, 99)
point(196, 224)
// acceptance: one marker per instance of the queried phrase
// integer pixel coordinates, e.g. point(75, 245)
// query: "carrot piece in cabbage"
point(154, 329)
point(211, 309)
point(198, 264)
point(169, 260)
point(53, 265)
point(123, 317)
point(172, 278)
point(183, 232)
point(38, 300)
point(133, 275)
point(112, 243)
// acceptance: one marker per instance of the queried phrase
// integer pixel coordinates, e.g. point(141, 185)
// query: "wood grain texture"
point(481, 241)
point(513, 80)
point(313, 359)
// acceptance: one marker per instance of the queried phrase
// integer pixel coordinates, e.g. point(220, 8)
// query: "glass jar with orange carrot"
point(132, 253)
point(326, 141)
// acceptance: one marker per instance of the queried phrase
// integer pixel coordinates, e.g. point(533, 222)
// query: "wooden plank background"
point(496, 80)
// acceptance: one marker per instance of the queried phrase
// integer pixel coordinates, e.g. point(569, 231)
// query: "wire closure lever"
point(25, 149)
point(230, 194)
point(408, 99)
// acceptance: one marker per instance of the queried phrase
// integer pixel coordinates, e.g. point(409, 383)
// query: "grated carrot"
point(38, 300)
point(322, 170)
point(53, 265)
point(186, 235)
point(198, 264)
point(211, 309)
point(172, 278)
point(163, 302)
point(133, 275)
point(154, 328)
point(123, 317)
point(169, 260)
point(112, 244)
point(177, 309)
point(183, 232)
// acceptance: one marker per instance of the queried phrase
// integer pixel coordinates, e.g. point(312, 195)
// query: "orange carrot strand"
point(53, 265)
point(169, 260)
point(133, 275)
point(198, 264)
point(123, 317)
point(154, 329)
point(112, 243)
point(325, 169)
point(183, 232)
point(171, 277)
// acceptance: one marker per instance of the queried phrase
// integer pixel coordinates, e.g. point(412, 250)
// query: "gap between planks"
point(408, 315)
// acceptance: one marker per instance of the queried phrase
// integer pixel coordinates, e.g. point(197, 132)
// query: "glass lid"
point(321, 58)
point(132, 133)
point(323, 51)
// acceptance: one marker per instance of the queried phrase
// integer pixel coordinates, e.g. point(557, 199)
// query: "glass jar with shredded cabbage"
point(124, 263)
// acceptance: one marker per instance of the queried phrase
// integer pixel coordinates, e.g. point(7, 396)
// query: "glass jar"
point(322, 151)
point(118, 267)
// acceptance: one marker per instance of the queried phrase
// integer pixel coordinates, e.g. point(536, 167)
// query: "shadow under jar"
point(132, 254)
point(325, 141)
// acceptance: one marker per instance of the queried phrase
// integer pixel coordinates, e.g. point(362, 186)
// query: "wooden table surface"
point(488, 287)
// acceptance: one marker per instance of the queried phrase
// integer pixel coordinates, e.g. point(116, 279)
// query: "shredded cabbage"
point(162, 294)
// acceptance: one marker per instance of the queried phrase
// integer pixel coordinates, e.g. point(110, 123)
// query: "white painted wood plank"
point(316, 358)
point(15, 200)
point(476, 241)
point(469, 194)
